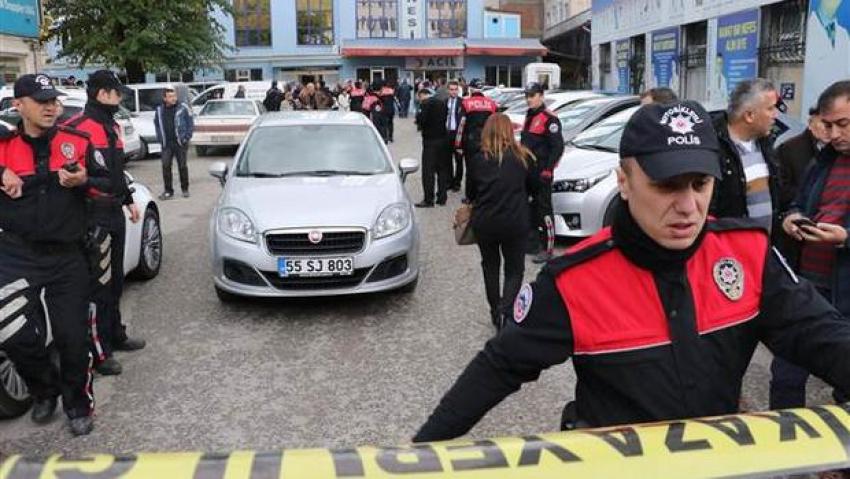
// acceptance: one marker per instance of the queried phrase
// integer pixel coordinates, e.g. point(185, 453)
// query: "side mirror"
point(408, 166)
point(219, 170)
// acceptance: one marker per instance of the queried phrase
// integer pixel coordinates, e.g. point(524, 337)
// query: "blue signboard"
point(665, 57)
point(737, 49)
point(19, 17)
point(623, 52)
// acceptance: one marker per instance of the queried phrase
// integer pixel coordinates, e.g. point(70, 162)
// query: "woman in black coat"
point(499, 179)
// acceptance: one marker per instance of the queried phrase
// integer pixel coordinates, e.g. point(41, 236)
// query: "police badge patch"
point(729, 277)
point(98, 158)
point(522, 303)
point(553, 128)
point(68, 150)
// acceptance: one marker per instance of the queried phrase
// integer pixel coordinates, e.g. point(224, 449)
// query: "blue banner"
point(623, 52)
point(737, 50)
point(665, 58)
point(19, 17)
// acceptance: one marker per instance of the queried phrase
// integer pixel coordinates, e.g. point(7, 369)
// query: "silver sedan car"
point(313, 205)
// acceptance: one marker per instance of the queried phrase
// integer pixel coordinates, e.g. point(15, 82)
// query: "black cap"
point(36, 86)
point(476, 84)
point(672, 139)
point(107, 80)
point(533, 88)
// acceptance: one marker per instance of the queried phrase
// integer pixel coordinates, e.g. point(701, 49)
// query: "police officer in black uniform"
point(541, 134)
point(474, 111)
point(662, 312)
point(107, 227)
point(43, 178)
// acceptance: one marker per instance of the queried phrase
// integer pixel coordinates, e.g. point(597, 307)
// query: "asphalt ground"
point(329, 372)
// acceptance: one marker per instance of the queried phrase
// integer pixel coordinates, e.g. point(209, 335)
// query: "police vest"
point(614, 305)
point(106, 158)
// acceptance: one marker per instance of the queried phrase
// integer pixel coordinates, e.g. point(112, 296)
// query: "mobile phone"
point(799, 222)
point(71, 167)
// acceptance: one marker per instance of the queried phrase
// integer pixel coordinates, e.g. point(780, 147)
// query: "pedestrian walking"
point(431, 121)
point(174, 127)
point(663, 311)
point(43, 178)
point(404, 94)
point(357, 96)
point(499, 174)
point(107, 220)
point(453, 115)
point(541, 134)
point(240, 92)
point(273, 98)
point(387, 95)
point(475, 110)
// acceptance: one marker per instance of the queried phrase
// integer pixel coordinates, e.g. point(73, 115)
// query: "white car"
point(142, 260)
point(224, 123)
point(254, 90)
point(553, 102)
point(142, 106)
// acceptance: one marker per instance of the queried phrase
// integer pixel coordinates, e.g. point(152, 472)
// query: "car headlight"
point(393, 219)
point(579, 185)
point(236, 224)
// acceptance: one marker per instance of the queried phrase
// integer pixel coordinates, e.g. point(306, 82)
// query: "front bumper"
point(217, 139)
point(579, 215)
point(373, 261)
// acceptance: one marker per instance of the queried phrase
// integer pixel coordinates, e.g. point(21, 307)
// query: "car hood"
point(579, 163)
point(299, 202)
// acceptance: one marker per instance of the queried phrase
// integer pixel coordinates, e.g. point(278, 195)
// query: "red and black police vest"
point(479, 104)
point(614, 305)
point(537, 123)
point(66, 147)
point(100, 142)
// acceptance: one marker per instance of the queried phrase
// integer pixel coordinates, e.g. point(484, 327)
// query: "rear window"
point(228, 108)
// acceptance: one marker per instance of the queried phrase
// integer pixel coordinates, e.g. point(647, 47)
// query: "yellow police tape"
point(763, 444)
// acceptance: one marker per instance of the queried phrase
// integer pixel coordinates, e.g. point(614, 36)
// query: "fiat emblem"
point(315, 237)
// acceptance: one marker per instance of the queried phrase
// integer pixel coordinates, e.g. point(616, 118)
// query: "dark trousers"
point(788, 381)
point(492, 252)
point(435, 163)
point(390, 127)
point(455, 162)
point(405, 108)
point(24, 271)
point(469, 152)
point(542, 215)
point(106, 266)
point(168, 155)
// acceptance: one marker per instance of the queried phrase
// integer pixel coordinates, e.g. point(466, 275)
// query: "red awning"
point(400, 52)
point(505, 51)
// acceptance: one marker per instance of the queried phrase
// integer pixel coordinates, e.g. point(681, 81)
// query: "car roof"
point(291, 118)
point(222, 100)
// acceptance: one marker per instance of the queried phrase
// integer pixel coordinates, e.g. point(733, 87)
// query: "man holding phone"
point(819, 219)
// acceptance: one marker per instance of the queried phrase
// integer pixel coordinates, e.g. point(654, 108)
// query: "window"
point(253, 74)
point(507, 75)
point(377, 19)
point(315, 22)
point(253, 23)
point(782, 30)
point(446, 18)
point(167, 77)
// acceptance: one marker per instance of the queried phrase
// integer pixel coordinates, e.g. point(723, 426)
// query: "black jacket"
point(541, 134)
point(431, 119)
point(730, 193)
point(795, 156)
point(696, 371)
point(458, 112)
point(499, 193)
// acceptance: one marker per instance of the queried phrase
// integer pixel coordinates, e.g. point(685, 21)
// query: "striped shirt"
point(818, 259)
point(759, 203)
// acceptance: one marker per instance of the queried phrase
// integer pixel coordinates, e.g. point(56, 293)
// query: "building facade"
point(700, 48)
point(20, 51)
point(567, 36)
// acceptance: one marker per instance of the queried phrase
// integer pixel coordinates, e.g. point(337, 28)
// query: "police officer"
point(474, 111)
point(387, 95)
point(357, 94)
point(107, 228)
point(43, 177)
point(541, 134)
point(663, 311)
point(373, 108)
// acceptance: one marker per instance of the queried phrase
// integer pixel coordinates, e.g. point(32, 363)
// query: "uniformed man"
point(373, 108)
point(387, 95)
point(662, 312)
point(541, 134)
point(43, 178)
point(357, 94)
point(474, 111)
point(107, 227)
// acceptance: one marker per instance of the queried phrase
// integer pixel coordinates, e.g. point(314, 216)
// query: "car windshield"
point(522, 106)
point(304, 150)
point(606, 134)
point(572, 115)
point(228, 108)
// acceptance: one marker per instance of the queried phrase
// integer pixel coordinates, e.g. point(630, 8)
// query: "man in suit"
point(453, 114)
point(431, 121)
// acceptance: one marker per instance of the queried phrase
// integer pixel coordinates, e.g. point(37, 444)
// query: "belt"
point(40, 247)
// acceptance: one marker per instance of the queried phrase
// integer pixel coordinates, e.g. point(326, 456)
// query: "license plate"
point(287, 267)
point(223, 139)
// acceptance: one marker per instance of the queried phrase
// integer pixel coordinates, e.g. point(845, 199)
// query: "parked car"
point(503, 96)
point(224, 123)
point(254, 90)
point(142, 260)
point(142, 105)
point(553, 101)
point(579, 116)
point(584, 189)
point(313, 205)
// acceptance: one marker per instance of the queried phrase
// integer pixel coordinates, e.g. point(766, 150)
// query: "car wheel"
point(201, 150)
point(409, 287)
point(14, 397)
point(608, 218)
point(227, 296)
point(150, 252)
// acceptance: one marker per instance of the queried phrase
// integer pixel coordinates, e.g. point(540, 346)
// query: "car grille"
point(337, 242)
point(321, 282)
